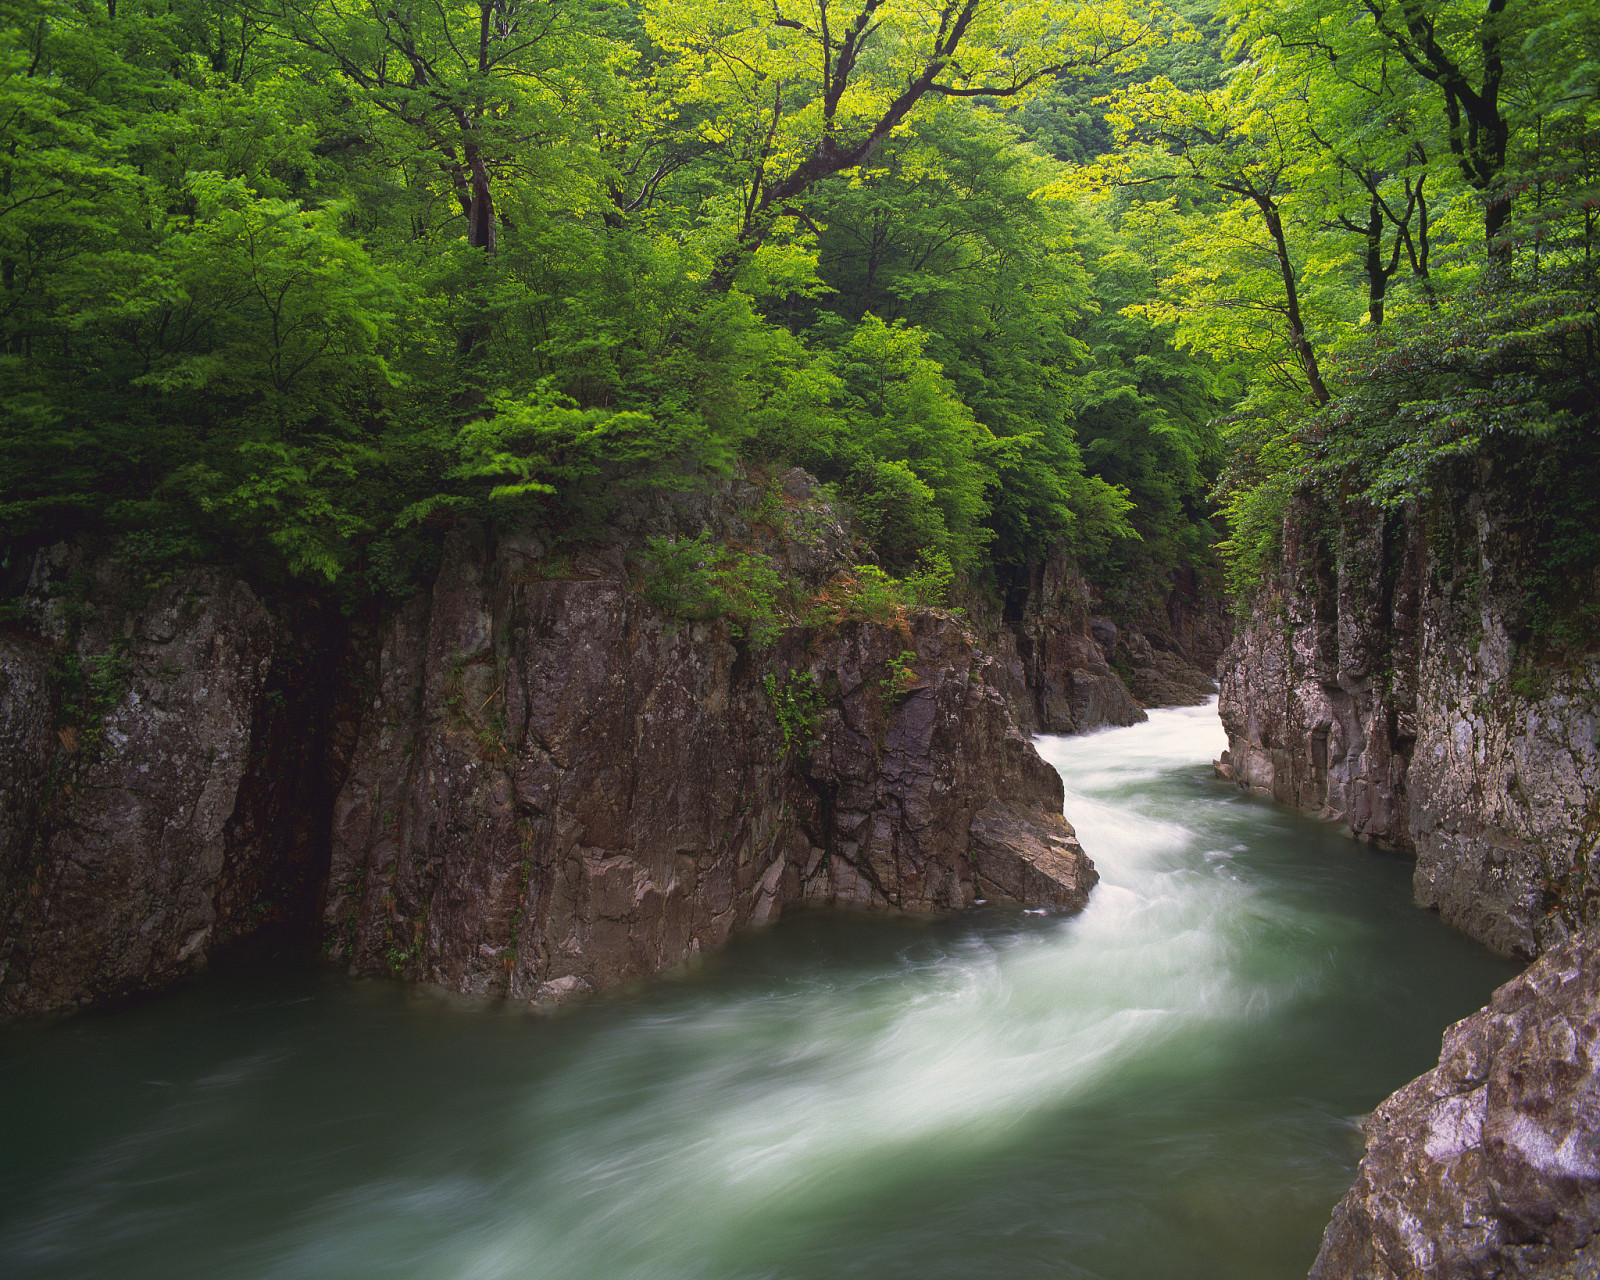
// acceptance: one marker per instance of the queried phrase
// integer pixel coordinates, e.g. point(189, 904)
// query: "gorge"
point(1161, 1085)
point(493, 812)
point(678, 639)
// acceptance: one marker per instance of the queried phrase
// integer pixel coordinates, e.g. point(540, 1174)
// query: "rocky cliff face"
point(1489, 1164)
point(1059, 675)
point(1389, 679)
point(559, 788)
point(1164, 639)
point(1067, 669)
point(528, 781)
point(150, 811)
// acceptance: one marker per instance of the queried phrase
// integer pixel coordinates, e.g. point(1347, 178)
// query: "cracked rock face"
point(115, 831)
point(1054, 676)
point(526, 782)
point(1066, 671)
point(1385, 682)
point(557, 788)
point(1488, 1165)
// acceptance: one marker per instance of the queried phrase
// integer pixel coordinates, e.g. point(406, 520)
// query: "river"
point(1161, 1087)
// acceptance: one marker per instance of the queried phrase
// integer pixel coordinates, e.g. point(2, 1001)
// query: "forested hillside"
point(297, 283)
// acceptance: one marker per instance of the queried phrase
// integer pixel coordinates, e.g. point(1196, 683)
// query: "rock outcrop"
point(527, 781)
point(1156, 671)
point(1165, 646)
point(1389, 679)
point(1066, 669)
point(558, 788)
point(1489, 1165)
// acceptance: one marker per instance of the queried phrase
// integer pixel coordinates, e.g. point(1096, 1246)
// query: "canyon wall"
point(560, 788)
point(167, 767)
point(527, 780)
point(1067, 667)
point(1393, 678)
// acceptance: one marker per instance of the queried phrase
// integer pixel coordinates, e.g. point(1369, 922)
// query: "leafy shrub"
point(797, 705)
point(929, 583)
point(900, 679)
point(692, 578)
point(89, 688)
point(876, 596)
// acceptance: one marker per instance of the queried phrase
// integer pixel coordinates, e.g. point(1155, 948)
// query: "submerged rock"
point(1488, 1165)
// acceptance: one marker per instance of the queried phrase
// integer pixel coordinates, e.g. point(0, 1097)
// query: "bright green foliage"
point(926, 488)
point(299, 283)
point(797, 703)
point(868, 594)
point(949, 230)
point(1382, 217)
point(899, 511)
point(901, 678)
point(787, 94)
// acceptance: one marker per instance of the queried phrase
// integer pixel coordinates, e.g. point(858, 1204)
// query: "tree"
point(479, 84)
point(1465, 61)
point(1243, 140)
point(804, 89)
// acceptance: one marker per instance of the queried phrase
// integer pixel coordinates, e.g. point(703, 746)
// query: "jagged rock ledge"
point(1066, 669)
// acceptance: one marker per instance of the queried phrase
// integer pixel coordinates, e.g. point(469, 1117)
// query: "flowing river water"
point(1163, 1086)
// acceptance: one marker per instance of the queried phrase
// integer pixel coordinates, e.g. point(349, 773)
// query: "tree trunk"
point(1303, 350)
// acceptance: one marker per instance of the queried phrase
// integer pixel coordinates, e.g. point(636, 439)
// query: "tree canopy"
point(297, 282)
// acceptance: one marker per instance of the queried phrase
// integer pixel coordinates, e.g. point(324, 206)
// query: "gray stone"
point(1380, 684)
point(115, 828)
point(570, 790)
point(527, 781)
point(1488, 1165)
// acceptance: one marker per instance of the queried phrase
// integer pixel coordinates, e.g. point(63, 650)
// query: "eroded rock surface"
point(1058, 676)
point(558, 788)
point(1488, 1165)
point(168, 757)
point(1166, 646)
point(527, 781)
point(1387, 681)
point(116, 828)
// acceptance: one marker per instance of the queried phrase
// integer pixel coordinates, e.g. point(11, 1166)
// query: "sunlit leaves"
point(789, 92)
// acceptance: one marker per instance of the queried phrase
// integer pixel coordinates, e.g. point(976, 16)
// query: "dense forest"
point(298, 283)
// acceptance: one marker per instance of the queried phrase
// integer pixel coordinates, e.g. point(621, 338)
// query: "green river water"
point(1161, 1087)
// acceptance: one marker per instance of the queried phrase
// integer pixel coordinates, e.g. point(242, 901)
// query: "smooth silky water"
point(1162, 1086)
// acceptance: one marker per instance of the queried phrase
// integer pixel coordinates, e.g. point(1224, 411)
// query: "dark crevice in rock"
point(277, 845)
